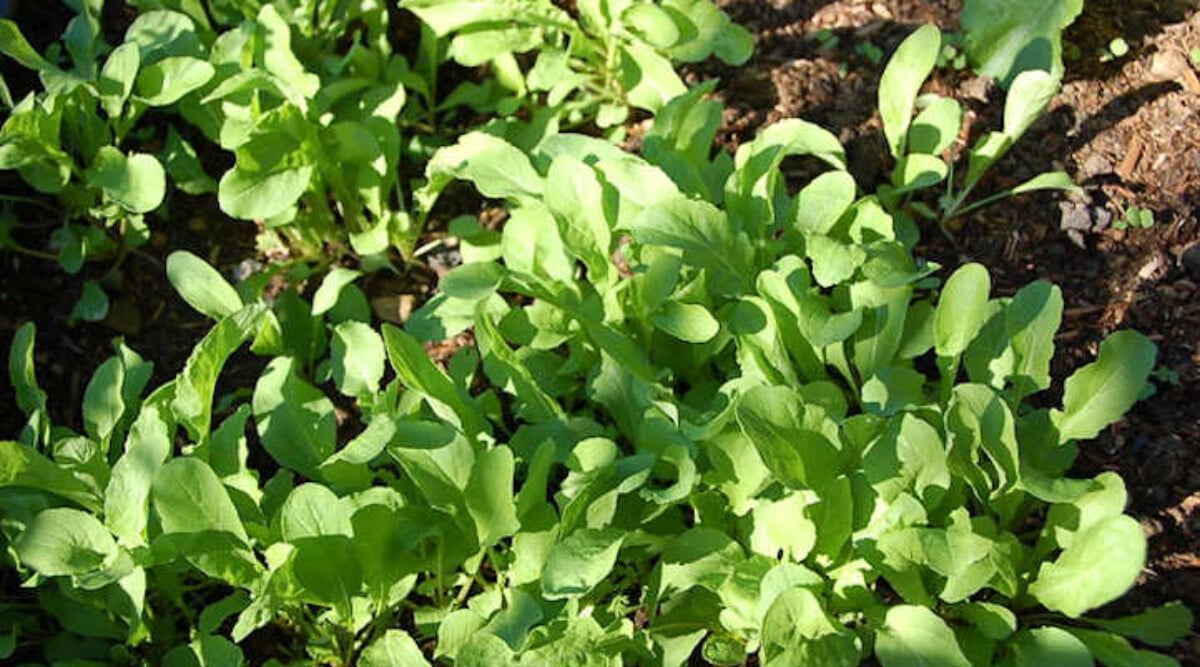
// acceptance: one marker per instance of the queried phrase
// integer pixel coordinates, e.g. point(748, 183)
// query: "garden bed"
point(1126, 128)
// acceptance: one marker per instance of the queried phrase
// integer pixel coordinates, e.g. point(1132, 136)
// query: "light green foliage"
point(697, 416)
point(924, 146)
point(1005, 37)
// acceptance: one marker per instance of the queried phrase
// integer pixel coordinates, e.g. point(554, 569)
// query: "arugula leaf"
point(1099, 393)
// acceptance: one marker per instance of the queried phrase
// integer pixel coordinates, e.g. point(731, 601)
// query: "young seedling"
point(923, 145)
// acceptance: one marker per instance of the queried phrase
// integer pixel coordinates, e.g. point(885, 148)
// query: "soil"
point(1127, 129)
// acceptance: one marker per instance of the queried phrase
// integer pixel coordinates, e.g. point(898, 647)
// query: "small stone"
point(394, 308)
point(1075, 217)
point(1191, 261)
point(1101, 218)
point(246, 268)
point(976, 88)
point(1096, 164)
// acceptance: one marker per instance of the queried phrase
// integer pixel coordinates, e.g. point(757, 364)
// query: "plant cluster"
point(701, 415)
point(318, 106)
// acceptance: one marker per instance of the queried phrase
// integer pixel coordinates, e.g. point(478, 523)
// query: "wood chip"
point(1132, 154)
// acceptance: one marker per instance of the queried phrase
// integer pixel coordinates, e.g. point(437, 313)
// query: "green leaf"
point(652, 24)
point(702, 232)
point(448, 16)
point(65, 542)
point(892, 390)
point(163, 33)
point(490, 498)
point(1029, 96)
point(103, 403)
point(22, 373)
point(908, 454)
point(780, 527)
point(184, 167)
point(127, 496)
point(205, 651)
point(916, 637)
point(92, 305)
point(416, 371)
point(501, 362)
point(1049, 646)
point(1031, 320)
point(278, 57)
point(992, 620)
point(252, 195)
point(14, 45)
point(962, 310)
point(1107, 498)
point(472, 282)
point(117, 77)
point(648, 78)
point(580, 561)
point(356, 357)
point(755, 186)
point(200, 522)
point(326, 296)
point(136, 181)
point(1114, 651)
point(936, 127)
point(1051, 180)
point(202, 286)
point(576, 198)
point(318, 525)
point(295, 420)
point(918, 171)
point(1103, 391)
point(393, 649)
point(1005, 38)
point(1160, 626)
point(689, 322)
point(793, 439)
point(23, 466)
point(797, 631)
point(1102, 563)
point(194, 387)
point(823, 201)
point(168, 80)
point(497, 168)
point(901, 82)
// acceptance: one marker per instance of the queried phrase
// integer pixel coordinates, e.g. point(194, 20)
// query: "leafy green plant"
point(1007, 37)
point(594, 63)
point(1135, 218)
point(1118, 48)
point(702, 416)
point(921, 143)
point(70, 139)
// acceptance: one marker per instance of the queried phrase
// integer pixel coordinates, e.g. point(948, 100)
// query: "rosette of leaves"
point(702, 416)
point(315, 154)
point(77, 138)
point(922, 130)
point(1006, 38)
point(594, 63)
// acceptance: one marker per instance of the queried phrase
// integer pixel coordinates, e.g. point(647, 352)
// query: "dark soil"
point(1128, 130)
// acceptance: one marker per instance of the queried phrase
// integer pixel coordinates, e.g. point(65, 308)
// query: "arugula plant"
point(702, 416)
point(1006, 37)
point(923, 143)
point(316, 153)
point(591, 64)
point(75, 139)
